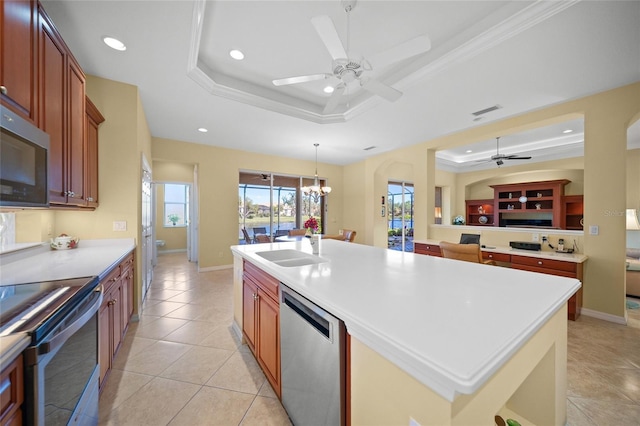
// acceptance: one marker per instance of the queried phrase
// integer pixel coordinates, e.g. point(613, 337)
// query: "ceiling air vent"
point(486, 110)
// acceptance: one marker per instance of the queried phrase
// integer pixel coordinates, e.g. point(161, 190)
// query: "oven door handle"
point(63, 335)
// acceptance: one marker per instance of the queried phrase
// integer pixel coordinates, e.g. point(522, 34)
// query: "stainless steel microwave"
point(24, 162)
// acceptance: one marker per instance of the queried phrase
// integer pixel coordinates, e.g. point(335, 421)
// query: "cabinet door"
point(116, 316)
point(249, 295)
point(52, 106)
point(104, 337)
point(93, 121)
point(75, 135)
point(127, 299)
point(269, 338)
point(18, 50)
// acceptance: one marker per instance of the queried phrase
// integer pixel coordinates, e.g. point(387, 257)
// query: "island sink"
point(289, 258)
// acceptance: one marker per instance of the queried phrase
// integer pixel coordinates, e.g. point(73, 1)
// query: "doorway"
point(400, 198)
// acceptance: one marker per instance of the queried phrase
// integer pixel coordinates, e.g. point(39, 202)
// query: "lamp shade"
point(632, 220)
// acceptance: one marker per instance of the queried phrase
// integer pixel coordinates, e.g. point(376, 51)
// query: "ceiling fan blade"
point(516, 157)
point(381, 89)
point(327, 31)
point(300, 79)
point(405, 50)
point(334, 100)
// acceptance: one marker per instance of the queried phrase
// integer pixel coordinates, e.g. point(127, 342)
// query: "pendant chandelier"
point(316, 191)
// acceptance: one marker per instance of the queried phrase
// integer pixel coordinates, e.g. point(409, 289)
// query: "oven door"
point(61, 371)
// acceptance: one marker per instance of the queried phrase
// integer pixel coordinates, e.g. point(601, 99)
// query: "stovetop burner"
point(36, 307)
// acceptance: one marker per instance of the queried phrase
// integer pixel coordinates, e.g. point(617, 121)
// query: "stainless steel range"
point(61, 363)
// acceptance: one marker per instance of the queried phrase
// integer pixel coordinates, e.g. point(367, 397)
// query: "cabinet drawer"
point(11, 393)
point(537, 262)
point(498, 257)
point(111, 278)
point(428, 249)
point(265, 281)
point(547, 271)
point(126, 263)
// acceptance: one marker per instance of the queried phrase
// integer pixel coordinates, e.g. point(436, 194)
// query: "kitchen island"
point(436, 340)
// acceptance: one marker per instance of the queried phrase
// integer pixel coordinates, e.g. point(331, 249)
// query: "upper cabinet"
point(42, 81)
point(93, 121)
point(19, 64)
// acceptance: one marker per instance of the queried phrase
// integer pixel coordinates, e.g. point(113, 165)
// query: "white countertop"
point(447, 323)
point(41, 263)
point(567, 257)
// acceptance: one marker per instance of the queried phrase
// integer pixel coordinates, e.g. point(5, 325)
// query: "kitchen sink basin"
point(290, 258)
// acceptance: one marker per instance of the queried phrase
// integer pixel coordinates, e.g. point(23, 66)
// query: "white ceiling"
point(521, 55)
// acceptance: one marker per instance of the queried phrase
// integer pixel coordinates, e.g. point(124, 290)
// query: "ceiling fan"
point(348, 69)
point(498, 158)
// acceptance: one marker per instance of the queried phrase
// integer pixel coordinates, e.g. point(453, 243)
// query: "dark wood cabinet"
point(12, 392)
point(479, 212)
point(573, 212)
point(62, 115)
point(93, 121)
point(261, 321)
point(114, 314)
point(19, 52)
point(428, 249)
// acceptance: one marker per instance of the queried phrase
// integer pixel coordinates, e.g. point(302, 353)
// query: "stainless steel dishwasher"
point(312, 354)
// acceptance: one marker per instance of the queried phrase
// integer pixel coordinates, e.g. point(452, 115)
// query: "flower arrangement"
point(311, 224)
point(458, 220)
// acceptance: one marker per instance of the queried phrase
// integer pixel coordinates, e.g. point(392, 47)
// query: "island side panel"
point(381, 393)
point(237, 295)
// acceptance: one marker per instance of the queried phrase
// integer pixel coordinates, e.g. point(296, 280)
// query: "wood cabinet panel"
point(551, 265)
point(115, 313)
point(76, 135)
point(93, 120)
point(11, 392)
point(269, 338)
point(19, 52)
point(52, 100)
point(498, 257)
point(428, 249)
point(261, 321)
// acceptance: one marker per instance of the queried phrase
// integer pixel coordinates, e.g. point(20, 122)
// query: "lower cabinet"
point(261, 321)
point(11, 393)
point(428, 249)
point(114, 314)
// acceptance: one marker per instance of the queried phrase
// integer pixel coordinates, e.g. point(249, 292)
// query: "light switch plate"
point(593, 229)
point(119, 225)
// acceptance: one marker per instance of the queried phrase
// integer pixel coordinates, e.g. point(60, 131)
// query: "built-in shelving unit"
point(480, 212)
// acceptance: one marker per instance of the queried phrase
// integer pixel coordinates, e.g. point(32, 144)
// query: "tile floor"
point(182, 364)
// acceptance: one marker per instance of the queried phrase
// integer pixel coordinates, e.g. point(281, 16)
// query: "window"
point(176, 199)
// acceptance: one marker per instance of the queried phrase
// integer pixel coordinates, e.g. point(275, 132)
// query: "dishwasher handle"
point(308, 314)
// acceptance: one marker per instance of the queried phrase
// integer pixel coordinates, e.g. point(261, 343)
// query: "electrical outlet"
point(535, 237)
point(119, 225)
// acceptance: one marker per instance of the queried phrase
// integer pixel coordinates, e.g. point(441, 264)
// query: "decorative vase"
point(309, 233)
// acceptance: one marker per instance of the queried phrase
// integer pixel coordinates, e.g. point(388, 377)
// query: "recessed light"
point(328, 89)
point(236, 54)
point(202, 130)
point(567, 131)
point(114, 43)
point(469, 151)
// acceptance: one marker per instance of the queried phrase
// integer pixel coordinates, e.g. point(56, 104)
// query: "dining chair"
point(262, 238)
point(347, 235)
point(293, 232)
point(281, 233)
point(465, 252)
point(247, 239)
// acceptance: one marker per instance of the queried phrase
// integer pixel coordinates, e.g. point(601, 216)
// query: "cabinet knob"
point(89, 198)
point(255, 296)
point(115, 301)
point(539, 262)
point(3, 90)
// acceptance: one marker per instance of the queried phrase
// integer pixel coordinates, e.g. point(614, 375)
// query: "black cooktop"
point(36, 308)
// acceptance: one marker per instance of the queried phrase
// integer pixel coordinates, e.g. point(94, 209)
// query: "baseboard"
point(215, 268)
point(235, 327)
point(604, 316)
point(172, 251)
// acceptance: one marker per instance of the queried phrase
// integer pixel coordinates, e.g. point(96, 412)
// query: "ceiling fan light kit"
point(499, 158)
point(346, 69)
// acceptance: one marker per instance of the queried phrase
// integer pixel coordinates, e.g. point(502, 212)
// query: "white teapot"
point(64, 242)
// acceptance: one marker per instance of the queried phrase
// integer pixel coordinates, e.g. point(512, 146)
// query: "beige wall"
point(218, 170)
point(610, 182)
